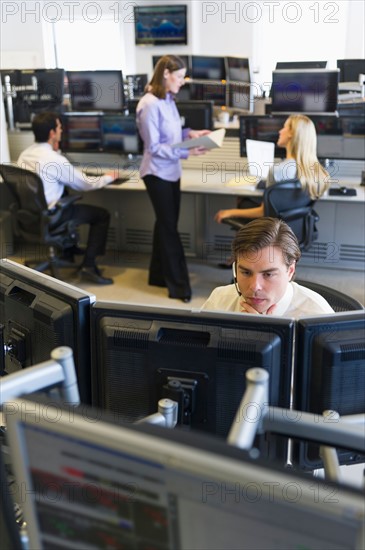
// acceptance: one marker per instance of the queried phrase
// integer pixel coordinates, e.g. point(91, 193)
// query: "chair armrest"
point(65, 202)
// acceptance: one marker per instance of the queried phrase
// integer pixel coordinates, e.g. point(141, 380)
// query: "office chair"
point(289, 202)
point(34, 223)
point(336, 299)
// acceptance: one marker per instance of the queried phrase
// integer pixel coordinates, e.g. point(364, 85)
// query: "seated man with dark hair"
point(56, 173)
point(265, 253)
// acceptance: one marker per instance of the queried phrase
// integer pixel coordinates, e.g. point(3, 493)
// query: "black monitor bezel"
point(301, 65)
point(196, 105)
point(195, 75)
point(166, 10)
point(109, 149)
point(306, 331)
point(228, 69)
point(282, 328)
point(80, 303)
point(280, 152)
point(347, 65)
point(73, 78)
point(66, 143)
point(290, 107)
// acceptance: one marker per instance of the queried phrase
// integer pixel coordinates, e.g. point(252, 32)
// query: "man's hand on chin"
point(246, 308)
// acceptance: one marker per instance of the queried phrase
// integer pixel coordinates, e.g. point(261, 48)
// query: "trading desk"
point(206, 189)
point(341, 242)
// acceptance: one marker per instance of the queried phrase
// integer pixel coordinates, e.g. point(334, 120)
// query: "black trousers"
point(98, 219)
point(168, 265)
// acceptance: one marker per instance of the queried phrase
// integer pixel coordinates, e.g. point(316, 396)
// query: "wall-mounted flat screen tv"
point(160, 25)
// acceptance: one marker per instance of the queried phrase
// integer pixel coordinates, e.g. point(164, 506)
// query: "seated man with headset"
point(265, 253)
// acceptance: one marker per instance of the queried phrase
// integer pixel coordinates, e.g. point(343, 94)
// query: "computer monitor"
point(238, 69)
point(337, 137)
point(196, 114)
point(91, 483)
point(305, 91)
point(139, 350)
point(40, 313)
point(81, 132)
point(206, 67)
point(96, 90)
point(330, 374)
point(261, 128)
point(207, 91)
point(301, 65)
point(160, 25)
point(120, 134)
point(240, 96)
point(350, 69)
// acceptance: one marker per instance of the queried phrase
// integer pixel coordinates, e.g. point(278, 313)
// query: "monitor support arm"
point(166, 415)
point(60, 369)
point(328, 430)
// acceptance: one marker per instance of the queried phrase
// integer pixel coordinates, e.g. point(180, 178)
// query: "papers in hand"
point(209, 141)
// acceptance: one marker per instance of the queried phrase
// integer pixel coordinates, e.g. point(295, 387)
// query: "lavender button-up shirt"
point(159, 125)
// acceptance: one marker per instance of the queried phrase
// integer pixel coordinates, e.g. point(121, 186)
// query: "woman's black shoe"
point(186, 299)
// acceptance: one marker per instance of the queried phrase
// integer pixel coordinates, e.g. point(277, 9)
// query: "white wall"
point(322, 30)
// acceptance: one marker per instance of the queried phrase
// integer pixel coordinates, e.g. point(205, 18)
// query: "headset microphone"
point(235, 279)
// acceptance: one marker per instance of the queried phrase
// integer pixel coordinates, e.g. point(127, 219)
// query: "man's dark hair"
point(264, 232)
point(42, 124)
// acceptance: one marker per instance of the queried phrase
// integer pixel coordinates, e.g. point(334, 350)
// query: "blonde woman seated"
point(298, 137)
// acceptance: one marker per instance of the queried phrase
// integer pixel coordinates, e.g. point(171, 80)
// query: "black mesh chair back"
point(336, 299)
point(27, 189)
point(289, 202)
point(33, 222)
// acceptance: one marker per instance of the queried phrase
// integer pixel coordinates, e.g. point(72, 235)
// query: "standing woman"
point(298, 137)
point(159, 126)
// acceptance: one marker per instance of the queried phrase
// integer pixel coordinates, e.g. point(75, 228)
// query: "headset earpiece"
point(235, 279)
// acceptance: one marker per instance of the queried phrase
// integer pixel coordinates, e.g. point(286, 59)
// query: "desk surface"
point(217, 183)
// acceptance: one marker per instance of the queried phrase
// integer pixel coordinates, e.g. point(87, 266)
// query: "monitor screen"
point(196, 114)
point(301, 65)
point(96, 90)
point(305, 91)
point(40, 313)
point(240, 96)
point(330, 374)
point(139, 350)
point(204, 67)
point(350, 69)
point(238, 69)
point(160, 25)
point(120, 134)
point(91, 483)
point(81, 132)
point(212, 91)
point(261, 128)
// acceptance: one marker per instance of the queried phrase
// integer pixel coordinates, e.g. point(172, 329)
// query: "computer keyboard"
point(119, 181)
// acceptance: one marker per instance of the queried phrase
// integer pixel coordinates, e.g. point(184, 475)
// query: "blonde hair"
point(303, 148)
